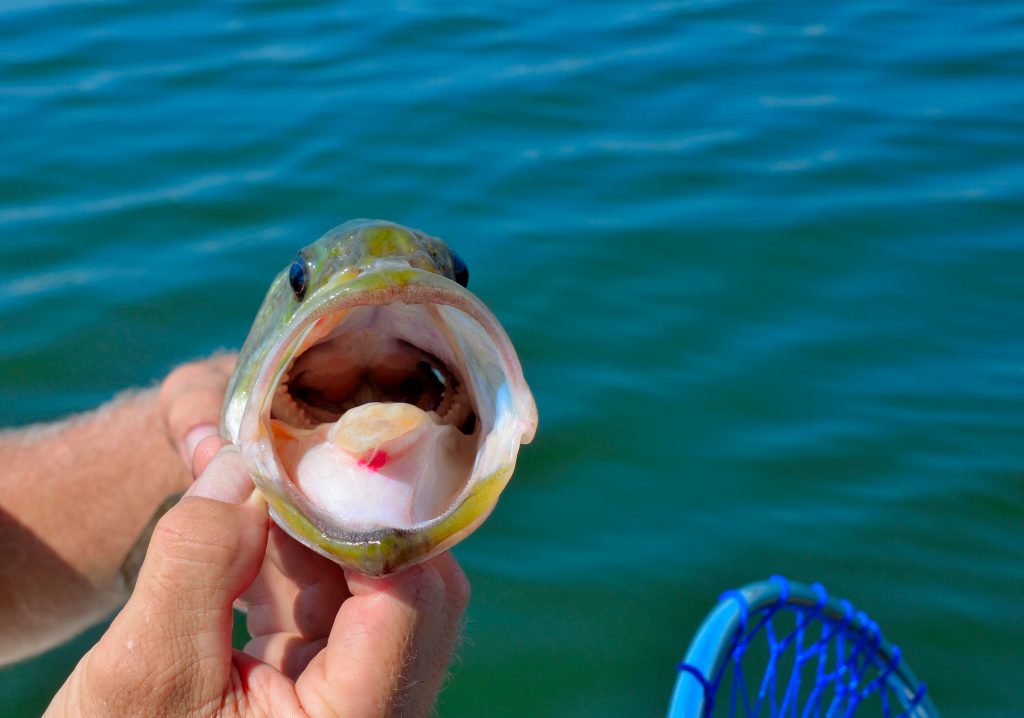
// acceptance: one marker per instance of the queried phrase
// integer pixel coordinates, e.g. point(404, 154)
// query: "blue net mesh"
point(794, 660)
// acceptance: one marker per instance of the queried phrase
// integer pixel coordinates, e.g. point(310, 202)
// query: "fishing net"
point(801, 655)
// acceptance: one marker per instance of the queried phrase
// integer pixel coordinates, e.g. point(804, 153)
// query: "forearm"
point(74, 498)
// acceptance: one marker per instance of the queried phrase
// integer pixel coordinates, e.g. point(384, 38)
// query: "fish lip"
point(382, 550)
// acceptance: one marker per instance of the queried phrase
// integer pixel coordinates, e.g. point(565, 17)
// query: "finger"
point(302, 564)
point(287, 652)
point(192, 395)
point(390, 645)
point(297, 591)
point(204, 450)
point(176, 628)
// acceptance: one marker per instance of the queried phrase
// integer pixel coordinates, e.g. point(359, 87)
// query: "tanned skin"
point(76, 495)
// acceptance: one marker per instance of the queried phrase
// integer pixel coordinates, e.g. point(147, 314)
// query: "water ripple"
point(172, 193)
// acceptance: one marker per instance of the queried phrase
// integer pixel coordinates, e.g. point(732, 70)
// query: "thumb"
point(204, 553)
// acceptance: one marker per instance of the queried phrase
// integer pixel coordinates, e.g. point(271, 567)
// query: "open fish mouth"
point(384, 420)
point(374, 420)
point(359, 365)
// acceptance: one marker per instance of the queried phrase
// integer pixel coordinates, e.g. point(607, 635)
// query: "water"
point(761, 262)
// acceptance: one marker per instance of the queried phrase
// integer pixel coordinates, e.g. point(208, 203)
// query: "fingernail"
point(225, 479)
point(193, 437)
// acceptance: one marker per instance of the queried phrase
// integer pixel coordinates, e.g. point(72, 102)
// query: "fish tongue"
point(368, 467)
point(377, 432)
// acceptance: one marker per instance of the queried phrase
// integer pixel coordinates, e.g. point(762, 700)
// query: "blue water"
point(761, 261)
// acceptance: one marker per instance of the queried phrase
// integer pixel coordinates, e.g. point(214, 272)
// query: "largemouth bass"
point(379, 405)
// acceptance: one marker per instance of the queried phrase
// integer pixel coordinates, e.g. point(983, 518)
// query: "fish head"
point(378, 403)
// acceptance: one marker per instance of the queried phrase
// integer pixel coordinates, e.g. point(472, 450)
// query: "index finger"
point(193, 394)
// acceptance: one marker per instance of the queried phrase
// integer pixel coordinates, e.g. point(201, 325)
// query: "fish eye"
point(298, 277)
point(460, 269)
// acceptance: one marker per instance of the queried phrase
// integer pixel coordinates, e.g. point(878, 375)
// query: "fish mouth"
point(388, 411)
point(361, 362)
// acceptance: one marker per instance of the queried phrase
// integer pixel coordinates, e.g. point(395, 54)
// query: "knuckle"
point(210, 375)
point(171, 533)
point(174, 386)
point(194, 537)
point(181, 377)
point(193, 393)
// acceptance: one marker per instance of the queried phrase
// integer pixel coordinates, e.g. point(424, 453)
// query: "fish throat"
point(375, 419)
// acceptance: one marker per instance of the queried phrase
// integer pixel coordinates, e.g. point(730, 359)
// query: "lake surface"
point(762, 263)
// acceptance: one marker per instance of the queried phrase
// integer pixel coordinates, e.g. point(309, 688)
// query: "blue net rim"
point(731, 619)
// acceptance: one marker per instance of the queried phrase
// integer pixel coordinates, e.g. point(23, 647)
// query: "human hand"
point(325, 641)
point(190, 401)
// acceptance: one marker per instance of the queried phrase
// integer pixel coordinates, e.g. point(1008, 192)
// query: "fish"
point(379, 405)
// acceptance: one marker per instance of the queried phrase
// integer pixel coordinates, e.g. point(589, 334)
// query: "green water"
point(762, 264)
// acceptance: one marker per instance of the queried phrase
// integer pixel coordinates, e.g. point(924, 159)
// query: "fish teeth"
point(286, 409)
point(452, 388)
point(455, 406)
